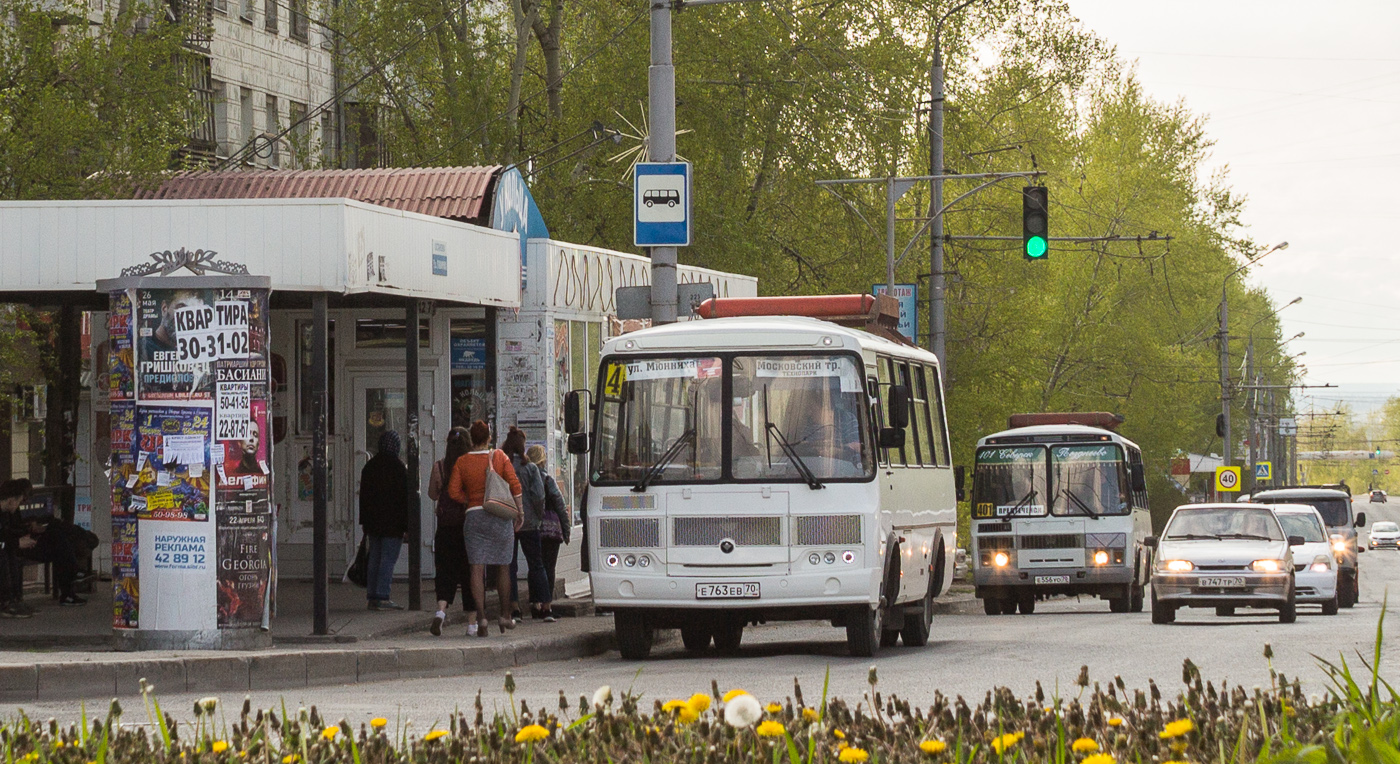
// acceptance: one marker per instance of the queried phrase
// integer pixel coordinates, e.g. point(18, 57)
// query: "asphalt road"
point(967, 654)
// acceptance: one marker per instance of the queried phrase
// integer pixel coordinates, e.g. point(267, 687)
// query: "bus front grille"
point(1052, 541)
point(743, 531)
point(629, 532)
point(825, 530)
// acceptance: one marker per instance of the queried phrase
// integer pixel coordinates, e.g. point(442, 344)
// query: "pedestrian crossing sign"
point(1264, 471)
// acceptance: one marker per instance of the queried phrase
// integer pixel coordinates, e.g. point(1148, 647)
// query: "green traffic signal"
point(1035, 223)
point(1036, 247)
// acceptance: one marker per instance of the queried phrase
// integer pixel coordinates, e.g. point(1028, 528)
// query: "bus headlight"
point(1339, 544)
point(829, 558)
point(814, 558)
point(612, 561)
point(848, 557)
point(1321, 564)
point(1000, 559)
point(644, 561)
point(1101, 557)
point(1266, 566)
point(629, 561)
point(1178, 566)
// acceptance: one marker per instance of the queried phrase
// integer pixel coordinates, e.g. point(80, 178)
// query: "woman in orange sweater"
point(490, 540)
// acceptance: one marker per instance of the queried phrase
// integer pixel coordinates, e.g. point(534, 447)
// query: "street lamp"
point(1228, 447)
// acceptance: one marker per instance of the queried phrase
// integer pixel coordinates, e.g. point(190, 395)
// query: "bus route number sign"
point(612, 384)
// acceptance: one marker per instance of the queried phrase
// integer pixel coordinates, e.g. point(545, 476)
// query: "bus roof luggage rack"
point(1101, 419)
point(877, 314)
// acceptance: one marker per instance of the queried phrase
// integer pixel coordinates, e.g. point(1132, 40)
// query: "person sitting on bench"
point(44, 539)
point(12, 494)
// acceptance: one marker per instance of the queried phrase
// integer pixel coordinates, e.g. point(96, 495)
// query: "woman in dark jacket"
point(527, 536)
point(555, 526)
point(449, 544)
point(384, 517)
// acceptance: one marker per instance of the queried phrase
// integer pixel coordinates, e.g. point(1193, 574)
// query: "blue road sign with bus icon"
point(661, 204)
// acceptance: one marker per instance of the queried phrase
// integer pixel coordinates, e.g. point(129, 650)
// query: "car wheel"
point(1288, 613)
point(1008, 605)
point(864, 626)
point(1119, 604)
point(1161, 611)
point(696, 637)
point(728, 636)
point(991, 606)
point(917, 629)
point(1136, 599)
point(1225, 611)
point(889, 638)
point(1330, 606)
point(1026, 602)
point(634, 634)
point(1346, 589)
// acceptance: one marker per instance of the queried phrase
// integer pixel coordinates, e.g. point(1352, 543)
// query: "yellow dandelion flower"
point(434, 735)
point(1176, 729)
point(810, 714)
point(933, 747)
point(734, 693)
point(839, 734)
point(687, 715)
point(58, 744)
point(1176, 762)
point(1084, 745)
point(219, 746)
point(1098, 758)
point(1001, 743)
point(1115, 721)
point(699, 702)
point(329, 733)
point(771, 728)
point(378, 722)
point(673, 705)
point(291, 758)
point(773, 708)
point(852, 756)
point(531, 733)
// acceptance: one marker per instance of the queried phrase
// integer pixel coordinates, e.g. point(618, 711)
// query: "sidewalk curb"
point(100, 681)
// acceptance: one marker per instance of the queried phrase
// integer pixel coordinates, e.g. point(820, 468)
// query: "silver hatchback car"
point(1223, 556)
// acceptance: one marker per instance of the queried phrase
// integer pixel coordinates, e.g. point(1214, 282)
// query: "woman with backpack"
point(489, 537)
point(555, 526)
point(449, 543)
point(528, 534)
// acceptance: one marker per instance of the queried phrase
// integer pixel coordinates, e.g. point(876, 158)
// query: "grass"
point(1357, 719)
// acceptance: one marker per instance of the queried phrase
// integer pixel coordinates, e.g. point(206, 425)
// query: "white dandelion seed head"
point(602, 697)
point(743, 711)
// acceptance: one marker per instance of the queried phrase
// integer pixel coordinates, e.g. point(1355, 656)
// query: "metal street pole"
point(937, 326)
point(661, 147)
point(890, 199)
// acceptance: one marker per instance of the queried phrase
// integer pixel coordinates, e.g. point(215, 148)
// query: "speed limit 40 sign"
point(1227, 478)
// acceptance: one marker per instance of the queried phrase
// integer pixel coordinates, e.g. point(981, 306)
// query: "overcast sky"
point(1303, 101)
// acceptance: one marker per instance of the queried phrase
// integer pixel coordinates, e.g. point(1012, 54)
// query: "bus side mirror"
point(1150, 542)
point(1296, 541)
point(1360, 519)
point(891, 438)
point(573, 414)
point(899, 407)
point(580, 443)
point(959, 477)
point(1139, 477)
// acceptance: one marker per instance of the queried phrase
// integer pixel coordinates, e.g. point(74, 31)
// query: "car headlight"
point(1321, 564)
point(1340, 544)
point(1000, 559)
point(1267, 566)
point(1178, 566)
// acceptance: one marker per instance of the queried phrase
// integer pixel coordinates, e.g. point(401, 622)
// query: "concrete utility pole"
point(661, 147)
point(1226, 449)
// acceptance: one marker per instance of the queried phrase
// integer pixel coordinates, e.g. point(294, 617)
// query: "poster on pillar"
point(193, 524)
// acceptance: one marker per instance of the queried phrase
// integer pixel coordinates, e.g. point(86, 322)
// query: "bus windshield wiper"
point(665, 461)
point(802, 467)
point(1075, 498)
point(1029, 497)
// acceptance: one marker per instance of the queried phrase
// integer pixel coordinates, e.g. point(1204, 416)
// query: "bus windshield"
point(1088, 480)
point(790, 419)
point(656, 417)
point(1009, 481)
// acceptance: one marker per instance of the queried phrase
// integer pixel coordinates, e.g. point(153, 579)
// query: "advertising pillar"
point(193, 536)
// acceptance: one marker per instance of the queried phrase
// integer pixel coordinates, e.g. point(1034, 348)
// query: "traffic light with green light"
point(1035, 223)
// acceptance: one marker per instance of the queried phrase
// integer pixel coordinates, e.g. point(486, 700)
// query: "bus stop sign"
point(661, 204)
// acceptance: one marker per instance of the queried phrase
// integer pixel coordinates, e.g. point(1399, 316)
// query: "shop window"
point(306, 402)
point(473, 372)
point(371, 333)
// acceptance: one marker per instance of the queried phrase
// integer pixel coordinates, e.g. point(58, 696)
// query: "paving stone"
point(222, 673)
point(19, 684)
point(277, 672)
point(72, 681)
point(431, 661)
point(168, 675)
point(331, 667)
point(377, 665)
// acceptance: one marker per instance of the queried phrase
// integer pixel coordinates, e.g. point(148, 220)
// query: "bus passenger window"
point(921, 413)
point(940, 427)
point(913, 444)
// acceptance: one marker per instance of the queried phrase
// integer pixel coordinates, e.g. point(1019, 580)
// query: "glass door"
point(380, 406)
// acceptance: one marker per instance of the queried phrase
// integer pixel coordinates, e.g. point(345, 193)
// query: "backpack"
point(449, 511)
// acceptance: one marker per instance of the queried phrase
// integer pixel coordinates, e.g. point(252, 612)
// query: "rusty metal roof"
point(456, 193)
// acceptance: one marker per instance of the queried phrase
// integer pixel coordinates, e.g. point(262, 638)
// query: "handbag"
point(551, 525)
point(498, 499)
point(358, 572)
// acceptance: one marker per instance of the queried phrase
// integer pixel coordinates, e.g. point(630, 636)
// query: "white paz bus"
point(763, 466)
point(1059, 506)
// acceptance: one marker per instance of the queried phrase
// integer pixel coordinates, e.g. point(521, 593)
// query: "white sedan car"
point(1315, 566)
point(1385, 536)
point(1223, 556)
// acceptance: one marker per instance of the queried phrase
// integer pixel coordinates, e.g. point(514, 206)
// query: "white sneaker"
point(471, 630)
